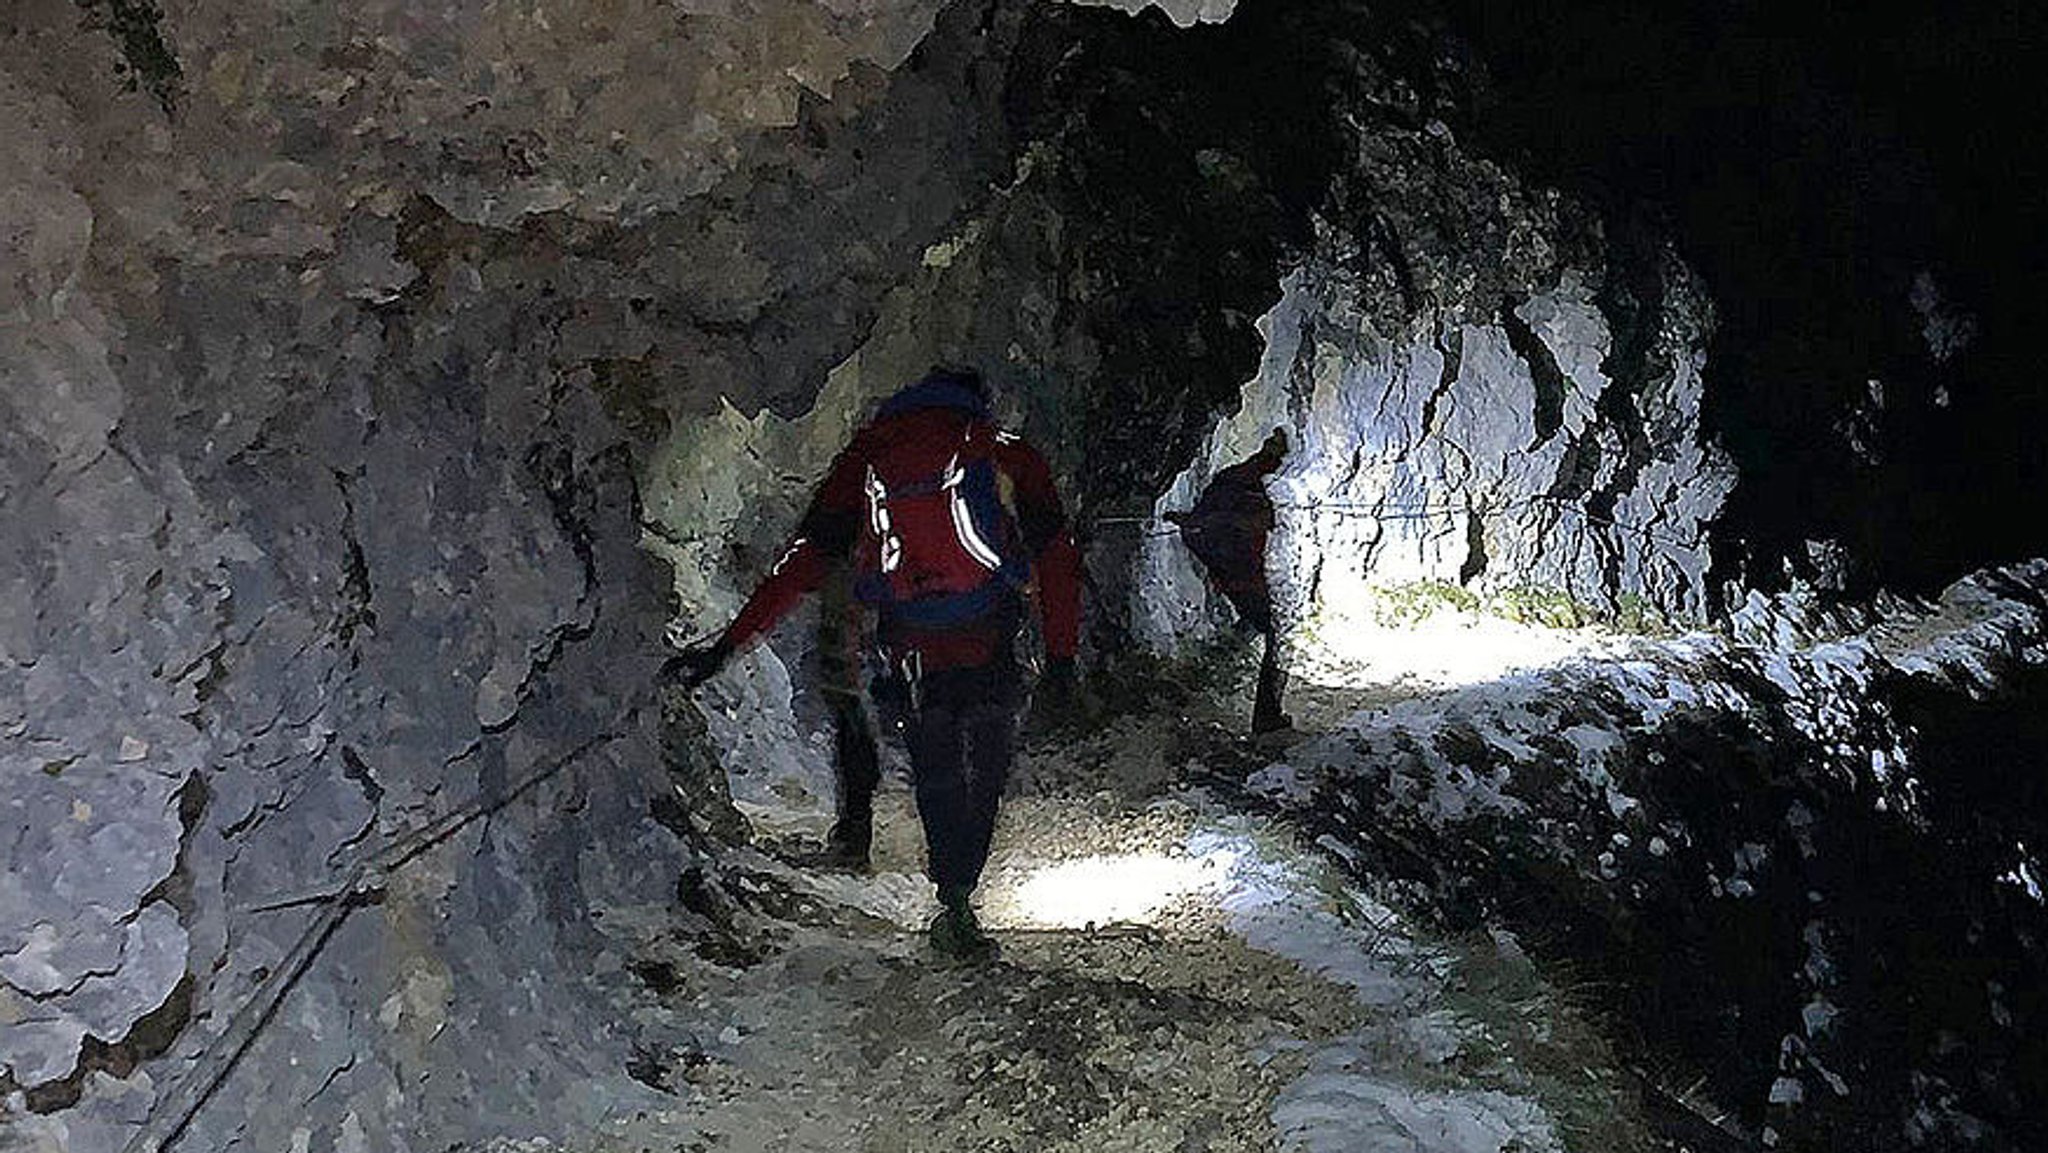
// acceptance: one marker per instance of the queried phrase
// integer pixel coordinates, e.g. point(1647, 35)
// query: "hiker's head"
point(1274, 449)
point(963, 376)
point(943, 386)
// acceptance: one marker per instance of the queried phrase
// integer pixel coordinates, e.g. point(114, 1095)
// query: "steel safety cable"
point(1403, 512)
point(362, 884)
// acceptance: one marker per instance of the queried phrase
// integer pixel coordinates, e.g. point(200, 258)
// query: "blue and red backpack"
point(938, 547)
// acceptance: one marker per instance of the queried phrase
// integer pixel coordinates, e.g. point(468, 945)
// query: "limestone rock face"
point(1486, 389)
point(325, 404)
point(1503, 401)
point(1182, 12)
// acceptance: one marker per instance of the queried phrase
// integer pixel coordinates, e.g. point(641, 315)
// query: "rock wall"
point(1490, 389)
point(1106, 287)
point(1182, 12)
point(1850, 192)
point(337, 353)
point(1484, 392)
point(326, 398)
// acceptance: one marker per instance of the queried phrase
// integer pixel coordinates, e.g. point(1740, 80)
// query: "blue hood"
point(935, 392)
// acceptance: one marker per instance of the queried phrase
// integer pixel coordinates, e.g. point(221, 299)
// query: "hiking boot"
point(846, 849)
point(956, 934)
point(835, 858)
point(1273, 722)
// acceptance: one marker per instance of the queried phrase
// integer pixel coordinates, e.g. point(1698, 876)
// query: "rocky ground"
point(1215, 943)
point(1174, 976)
point(1464, 910)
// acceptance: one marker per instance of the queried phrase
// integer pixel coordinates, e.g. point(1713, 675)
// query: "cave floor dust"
point(1174, 977)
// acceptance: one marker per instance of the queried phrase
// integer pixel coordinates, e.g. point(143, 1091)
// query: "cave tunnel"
point(398, 393)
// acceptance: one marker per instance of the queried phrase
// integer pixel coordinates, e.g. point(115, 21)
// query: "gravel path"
point(1174, 977)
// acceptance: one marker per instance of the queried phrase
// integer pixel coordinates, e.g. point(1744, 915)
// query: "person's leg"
point(856, 762)
point(1267, 715)
point(938, 769)
point(1254, 605)
point(951, 801)
point(991, 746)
point(858, 765)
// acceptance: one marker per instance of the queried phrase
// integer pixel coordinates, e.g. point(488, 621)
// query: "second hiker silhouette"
point(1227, 531)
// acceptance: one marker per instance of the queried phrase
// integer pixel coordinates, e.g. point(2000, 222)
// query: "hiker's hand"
point(695, 665)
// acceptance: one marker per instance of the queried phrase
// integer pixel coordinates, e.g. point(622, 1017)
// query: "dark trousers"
point(1266, 711)
point(962, 735)
point(1254, 605)
point(859, 767)
point(1235, 560)
point(855, 757)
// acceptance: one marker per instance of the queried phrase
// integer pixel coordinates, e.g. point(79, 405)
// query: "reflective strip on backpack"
point(970, 538)
point(964, 530)
point(878, 518)
point(878, 499)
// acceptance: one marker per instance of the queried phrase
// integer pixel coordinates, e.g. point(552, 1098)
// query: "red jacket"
point(830, 530)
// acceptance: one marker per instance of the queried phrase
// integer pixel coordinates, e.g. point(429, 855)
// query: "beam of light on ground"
point(1129, 888)
point(1350, 646)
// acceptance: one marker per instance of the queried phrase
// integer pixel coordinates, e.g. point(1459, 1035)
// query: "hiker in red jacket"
point(1227, 531)
point(950, 526)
